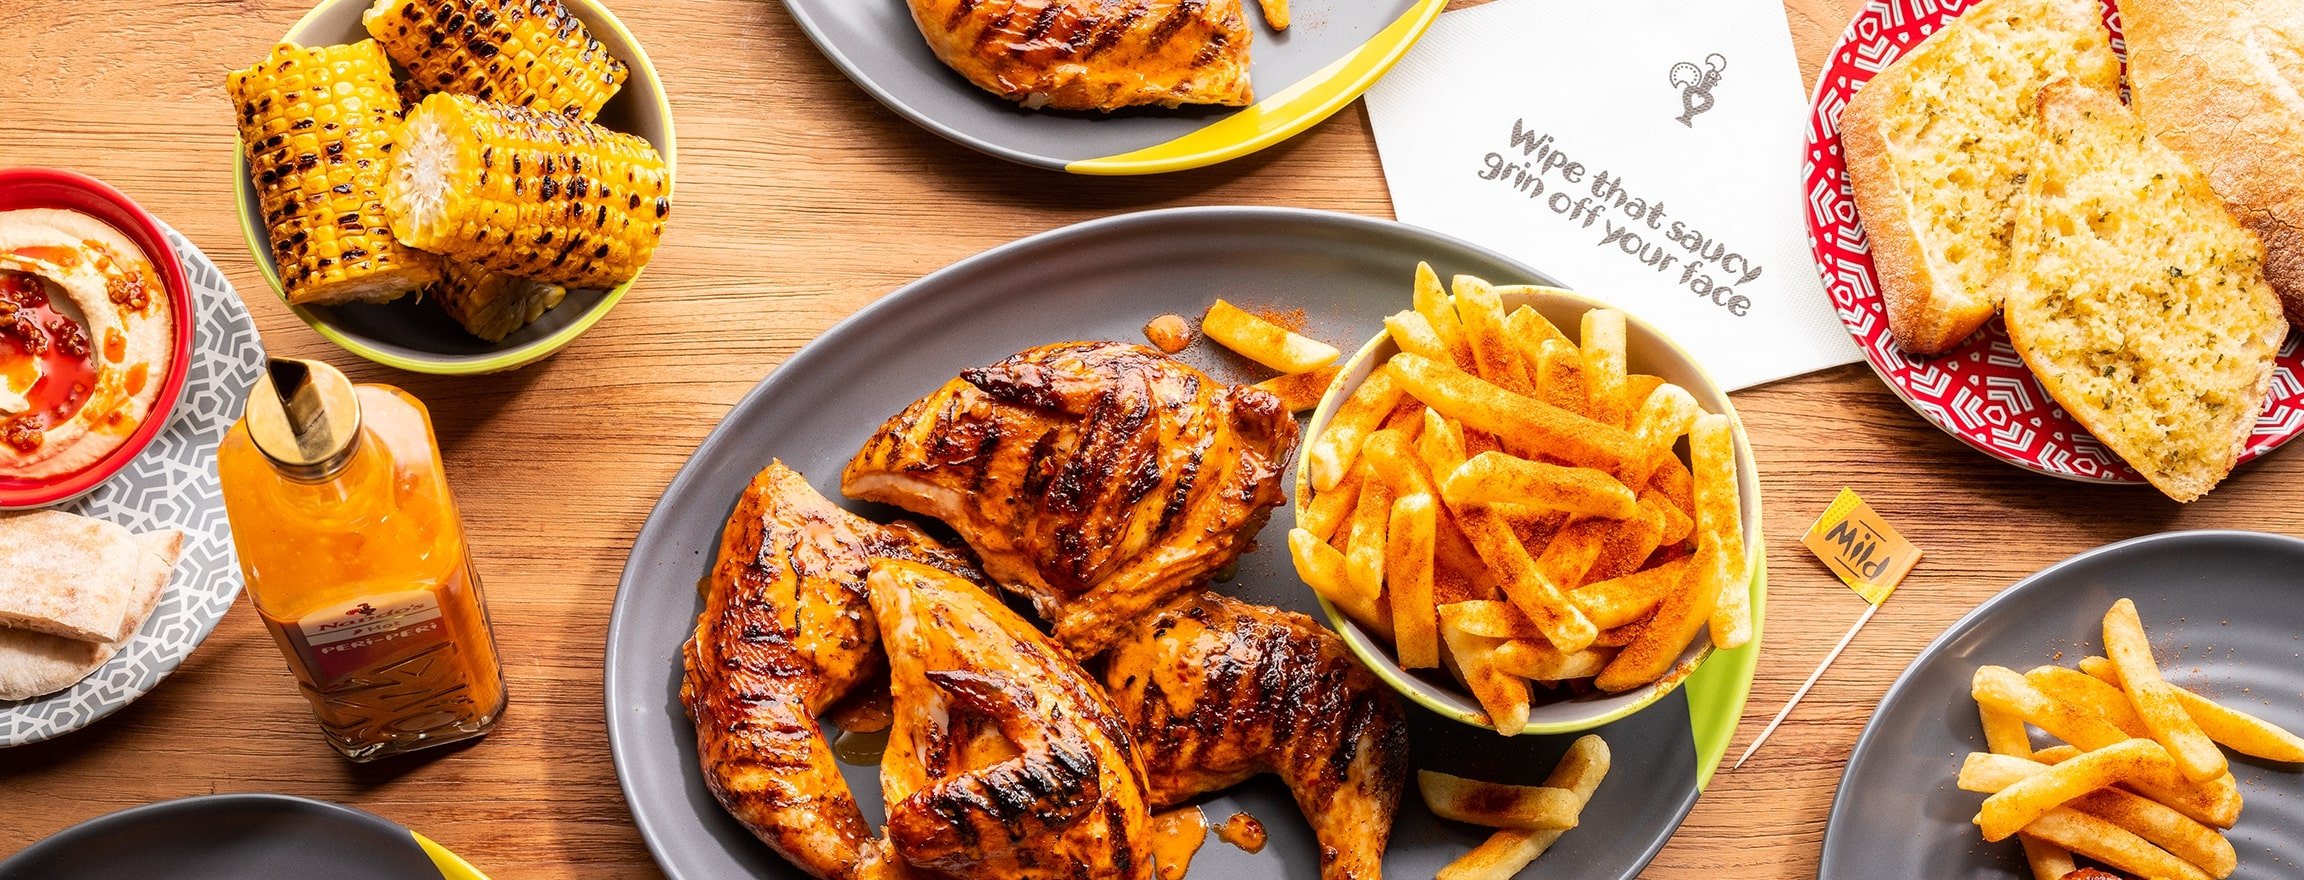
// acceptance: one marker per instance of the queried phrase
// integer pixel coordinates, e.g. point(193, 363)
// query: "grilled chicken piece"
point(787, 629)
point(1005, 759)
point(1217, 690)
point(1099, 479)
point(1094, 54)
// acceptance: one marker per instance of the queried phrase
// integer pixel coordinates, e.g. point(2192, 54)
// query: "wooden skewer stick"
point(1869, 609)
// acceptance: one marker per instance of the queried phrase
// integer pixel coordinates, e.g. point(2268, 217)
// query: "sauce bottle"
point(355, 559)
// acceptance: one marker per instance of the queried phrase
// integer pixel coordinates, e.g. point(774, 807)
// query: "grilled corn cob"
point(491, 305)
point(529, 53)
point(529, 194)
point(317, 125)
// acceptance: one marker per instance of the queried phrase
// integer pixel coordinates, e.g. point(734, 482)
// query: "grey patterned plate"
point(2225, 611)
point(172, 485)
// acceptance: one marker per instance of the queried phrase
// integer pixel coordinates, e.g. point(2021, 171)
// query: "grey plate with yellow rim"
point(418, 336)
point(1335, 50)
point(1103, 280)
point(237, 837)
point(2225, 611)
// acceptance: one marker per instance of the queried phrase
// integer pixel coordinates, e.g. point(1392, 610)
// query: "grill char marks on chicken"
point(1094, 54)
point(1217, 690)
point(787, 630)
point(1098, 479)
point(1005, 758)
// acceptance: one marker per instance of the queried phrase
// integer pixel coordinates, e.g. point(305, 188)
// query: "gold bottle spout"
point(304, 417)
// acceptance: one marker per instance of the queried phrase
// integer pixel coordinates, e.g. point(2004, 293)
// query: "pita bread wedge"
point(37, 663)
point(65, 575)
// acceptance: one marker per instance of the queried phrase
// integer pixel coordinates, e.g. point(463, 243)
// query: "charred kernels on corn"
point(529, 194)
point(527, 53)
point(492, 305)
point(317, 125)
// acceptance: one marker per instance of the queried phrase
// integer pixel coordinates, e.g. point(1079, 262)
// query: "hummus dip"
point(86, 336)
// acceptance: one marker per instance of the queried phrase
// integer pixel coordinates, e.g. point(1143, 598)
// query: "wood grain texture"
point(801, 200)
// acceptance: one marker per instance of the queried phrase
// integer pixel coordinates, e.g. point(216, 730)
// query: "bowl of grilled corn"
point(453, 186)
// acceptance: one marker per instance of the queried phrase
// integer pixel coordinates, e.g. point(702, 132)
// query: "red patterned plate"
point(1980, 392)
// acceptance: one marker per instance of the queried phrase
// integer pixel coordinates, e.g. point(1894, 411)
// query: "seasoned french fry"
point(1678, 619)
point(1536, 660)
point(1673, 481)
point(2155, 700)
point(1483, 315)
point(1560, 379)
point(2166, 828)
point(1264, 342)
point(1330, 507)
point(1619, 601)
point(2027, 799)
point(1516, 574)
point(1408, 573)
point(2237, 730)
point(1322, 567)
point(1491, 620)
point(1678, 525)
point(1433, 303)
point(2004, 733)
point(1299, 391)
point(1441, 445)
point(1624, 545)
point(2048, 861)
point(2077, 688)
point(2108, 843)
point(1503, 696)
point(1332, 453)
point(1712, 459)
point(1496, 478)
point(1603, 335)
point(1664, 415)
point(1638, 386)
point(1620, 636)
point(1496, 805)
point(1391, 454)
point(1364, 542)
point(2002, 688)
point(1506, 852)
point(1414, 334)
point(2216, 804)
point(1526, 325)
point(1406, 418)
point(1515, 417)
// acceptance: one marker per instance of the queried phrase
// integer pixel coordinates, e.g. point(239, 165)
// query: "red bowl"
point(54, 188)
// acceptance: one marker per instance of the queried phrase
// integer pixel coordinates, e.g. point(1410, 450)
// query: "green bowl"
point(417, 336)
point(1646, 350)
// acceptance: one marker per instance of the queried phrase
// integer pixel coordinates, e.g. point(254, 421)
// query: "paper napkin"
point(1644, 152)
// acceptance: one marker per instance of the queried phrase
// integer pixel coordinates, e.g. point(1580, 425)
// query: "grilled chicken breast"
point(1099, 479)
point(1216, 690)
point(786, 630)
point(1005, 759)
point(1094, 54)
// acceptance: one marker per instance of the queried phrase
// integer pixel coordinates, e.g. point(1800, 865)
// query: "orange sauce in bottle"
point(355, 558)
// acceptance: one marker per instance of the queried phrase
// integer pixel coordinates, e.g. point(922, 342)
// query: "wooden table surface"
point(801, 200)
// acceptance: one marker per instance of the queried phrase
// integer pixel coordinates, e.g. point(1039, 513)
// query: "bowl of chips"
point(1528, 511)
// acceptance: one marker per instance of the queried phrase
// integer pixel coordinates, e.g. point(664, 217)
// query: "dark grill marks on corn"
point(528, 194)
point(1252, 689)
point(527, 53)
point(317, 125)
point(1096, 478)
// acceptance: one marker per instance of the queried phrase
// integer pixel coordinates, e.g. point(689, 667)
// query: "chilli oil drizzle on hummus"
point(86, 336)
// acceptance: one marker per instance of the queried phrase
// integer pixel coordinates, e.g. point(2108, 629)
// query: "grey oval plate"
point(2225, 611)
point(1334, 51)
point(171, 485)
point(1097, 280)
point(227, 837)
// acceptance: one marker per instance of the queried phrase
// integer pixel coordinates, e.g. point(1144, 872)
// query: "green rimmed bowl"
point(1646, 350)
point(417, 336)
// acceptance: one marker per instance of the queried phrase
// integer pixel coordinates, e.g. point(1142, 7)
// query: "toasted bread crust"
point(1936, 145)
point(2213, 80)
